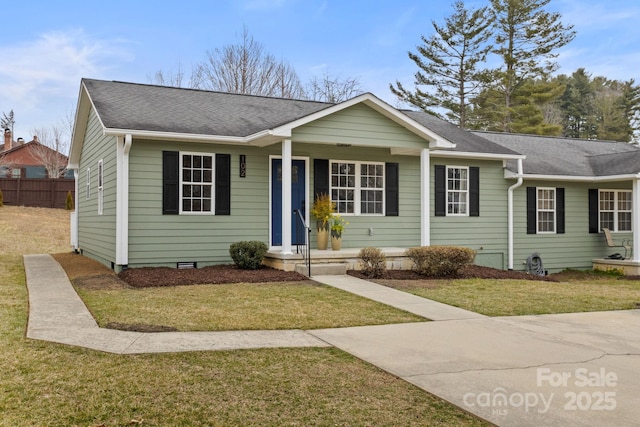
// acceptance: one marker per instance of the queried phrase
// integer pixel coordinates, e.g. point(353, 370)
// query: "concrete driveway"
point(578, 369)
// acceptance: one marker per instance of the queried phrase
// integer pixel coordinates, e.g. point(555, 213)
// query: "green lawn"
point(302, 305)
point(46, 384)
point(578, 292)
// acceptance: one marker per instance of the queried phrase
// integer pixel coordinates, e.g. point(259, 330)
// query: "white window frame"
point(460, 192)
point(210, 184)
point(100, 186)
point(553, 210)
point(88, 186)
point(358, 188)
point(616, 211)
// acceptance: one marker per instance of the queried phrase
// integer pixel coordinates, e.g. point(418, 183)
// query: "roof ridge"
point(210, 91)
point(567, 138)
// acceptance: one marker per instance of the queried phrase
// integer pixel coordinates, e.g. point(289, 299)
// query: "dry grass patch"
point(577, 292)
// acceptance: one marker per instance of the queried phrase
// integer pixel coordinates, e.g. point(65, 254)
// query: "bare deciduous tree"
point(245, 67)
point(8, 121)
point(51, 144)
point(333, 88)
point(177, 78)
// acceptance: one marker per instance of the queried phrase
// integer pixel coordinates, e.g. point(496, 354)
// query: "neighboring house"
point(168, 175)
point(28, 160)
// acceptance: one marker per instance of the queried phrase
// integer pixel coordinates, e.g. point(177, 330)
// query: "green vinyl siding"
point(387, 231)
point(157, 239)
point(486, 233)
point(576, 247)
point(358, 125)
point(97, 233)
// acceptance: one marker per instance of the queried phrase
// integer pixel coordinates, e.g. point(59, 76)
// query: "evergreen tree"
point(526, 38)
point(577, 104)
point(448, 64)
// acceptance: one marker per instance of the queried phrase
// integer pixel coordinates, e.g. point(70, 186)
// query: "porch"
point(332, 262)
point(629, 267)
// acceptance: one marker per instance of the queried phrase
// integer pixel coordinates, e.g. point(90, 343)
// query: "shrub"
point(248, 254)
point(69, 202)
point(373, 262)
point(440, 261)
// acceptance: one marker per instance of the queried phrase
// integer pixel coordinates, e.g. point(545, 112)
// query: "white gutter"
point(479, 156)
point(510, 214)
point(569, 178)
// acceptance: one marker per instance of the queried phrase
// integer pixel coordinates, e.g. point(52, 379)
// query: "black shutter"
point(560, 210)
point(532, 220)
point(320, 177)
point(223, 184)
point(170, 182)
point(440, 183)
point(474, 191)
point(392, 189)
point(593, 211)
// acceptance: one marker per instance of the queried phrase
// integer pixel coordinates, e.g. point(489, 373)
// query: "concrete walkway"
point(580, 369)
point(57, 314)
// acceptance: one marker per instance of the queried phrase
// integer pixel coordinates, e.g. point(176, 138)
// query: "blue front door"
point(298, 191)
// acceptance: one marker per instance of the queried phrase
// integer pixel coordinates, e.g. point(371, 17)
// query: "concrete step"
point(322, 269)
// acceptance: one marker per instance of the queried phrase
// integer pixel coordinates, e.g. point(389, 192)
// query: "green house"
point(168, 176)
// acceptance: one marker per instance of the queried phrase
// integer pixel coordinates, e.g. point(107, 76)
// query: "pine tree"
point(448, 64)
point(526, 39)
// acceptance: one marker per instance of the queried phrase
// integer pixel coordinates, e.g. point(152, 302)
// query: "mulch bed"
point(469, 272)
point(218, 274)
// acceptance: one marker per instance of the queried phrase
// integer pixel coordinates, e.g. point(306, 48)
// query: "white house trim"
point(286, 196)
point(122, 199)
point(425, 209)
point(635, 226)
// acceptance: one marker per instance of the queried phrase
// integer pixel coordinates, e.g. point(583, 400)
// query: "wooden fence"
point(44, 193)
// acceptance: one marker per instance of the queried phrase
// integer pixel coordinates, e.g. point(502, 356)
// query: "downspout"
point(635, 226)
point(74, 214)
point(122, 201)
point(510, 214)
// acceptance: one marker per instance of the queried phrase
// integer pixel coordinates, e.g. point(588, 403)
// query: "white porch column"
point(425, 207)
point(286, 196)
point(636, 219)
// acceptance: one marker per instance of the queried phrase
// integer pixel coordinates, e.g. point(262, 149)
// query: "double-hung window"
point(358, 187)
point(615, 209)
point(457, 190)
point(546, 210)
point(100, 186)
point(196, 183)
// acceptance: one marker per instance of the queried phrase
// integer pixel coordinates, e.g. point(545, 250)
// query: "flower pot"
point(323, 238)
point(336, 243)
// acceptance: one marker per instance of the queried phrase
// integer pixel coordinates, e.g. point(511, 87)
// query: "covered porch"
point(332, 262)
point(629, 267)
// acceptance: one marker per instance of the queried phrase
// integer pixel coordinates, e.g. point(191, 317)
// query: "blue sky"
point(47, 47)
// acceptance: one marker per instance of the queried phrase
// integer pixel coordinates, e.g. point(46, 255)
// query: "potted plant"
point(323, 209)
point(337, 227)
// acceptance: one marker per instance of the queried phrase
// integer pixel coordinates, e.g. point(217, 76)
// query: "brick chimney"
point(8, 139)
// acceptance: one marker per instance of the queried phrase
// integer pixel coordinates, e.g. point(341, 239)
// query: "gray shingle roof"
point(568, 156)
point(166, 109)
point(465, 141)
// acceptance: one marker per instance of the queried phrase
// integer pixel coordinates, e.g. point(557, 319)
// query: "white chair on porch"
point(626, 244)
